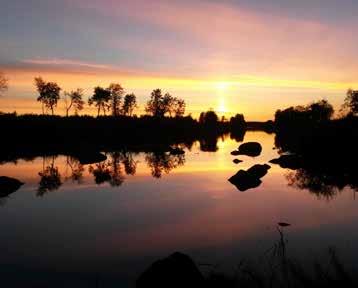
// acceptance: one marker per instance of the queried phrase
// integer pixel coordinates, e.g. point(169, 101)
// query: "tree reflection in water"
point(76, 168)
point(322, 184)
point(160, 162)
point(209, 143)
point(50, 178)
point(130, 166)
point(111, 170)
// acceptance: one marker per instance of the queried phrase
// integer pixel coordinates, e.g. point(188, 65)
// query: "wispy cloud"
point(226, 38)
point(67, 62)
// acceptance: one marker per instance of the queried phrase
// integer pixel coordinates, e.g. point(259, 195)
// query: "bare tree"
point(74, 100)
point(3, 83)
point(49, 94)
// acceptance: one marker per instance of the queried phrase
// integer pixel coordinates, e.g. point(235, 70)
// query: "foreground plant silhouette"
point(273, 269)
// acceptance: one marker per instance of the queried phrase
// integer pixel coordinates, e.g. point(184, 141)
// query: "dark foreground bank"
point(274, 269)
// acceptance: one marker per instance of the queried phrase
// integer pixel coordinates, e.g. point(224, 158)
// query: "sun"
point(222, 86)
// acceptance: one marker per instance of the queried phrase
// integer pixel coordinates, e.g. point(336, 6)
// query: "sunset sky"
point(249, 56)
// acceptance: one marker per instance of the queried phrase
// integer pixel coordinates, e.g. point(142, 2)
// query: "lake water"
point(74, 232)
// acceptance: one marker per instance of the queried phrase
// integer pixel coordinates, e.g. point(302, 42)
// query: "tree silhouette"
point(159, 105)
point(179, 107)
point(168, 104)
point(74, 100)
point(155, 104)
point(100, 99)
point(116, 93)
point(129, 104)
point(304, 116)
point(351, 102)
point(49, 94)
point(237, 122)
point(3, 83)
point(320, 110)
point(209, 118)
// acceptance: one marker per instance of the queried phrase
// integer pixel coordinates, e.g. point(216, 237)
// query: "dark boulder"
point(250, 149)
point(258, 170)
point(9, 185)
point(291, 161)
point(237, 161)
point(245, 180)
point(90, 157)
point(177, 270)
point(235, 153)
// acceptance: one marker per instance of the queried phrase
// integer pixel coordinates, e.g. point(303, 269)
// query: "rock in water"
point(9, 185)
point(177, 271)
point(258, 170)
point(237, 161)
point(244, 180)
point(250, 149)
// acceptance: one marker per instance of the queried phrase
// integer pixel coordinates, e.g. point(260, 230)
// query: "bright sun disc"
point(222, 85)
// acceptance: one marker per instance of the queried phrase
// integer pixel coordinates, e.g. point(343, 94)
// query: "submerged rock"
point(90, 157)
point(9, 185)
point(237, 161)
point(291, 161)
point(250, 149)
point(245, 180)
point(177, 270)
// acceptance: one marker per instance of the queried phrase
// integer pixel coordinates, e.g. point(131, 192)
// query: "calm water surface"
point(75, 231)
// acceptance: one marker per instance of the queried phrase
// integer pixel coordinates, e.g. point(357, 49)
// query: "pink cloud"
point(216, 38)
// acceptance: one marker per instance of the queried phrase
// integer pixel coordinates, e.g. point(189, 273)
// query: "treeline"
point(46, 134)
point(316, 112)
point(112, 99)
point(323, 150)
point(116, 124)
point(305, 127)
